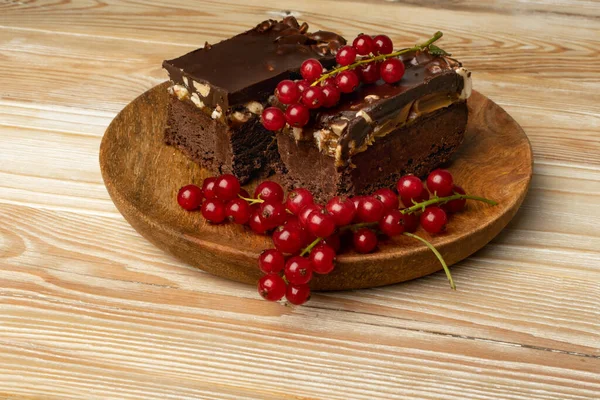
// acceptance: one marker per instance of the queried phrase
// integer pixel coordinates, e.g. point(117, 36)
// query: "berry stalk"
point(438, 35)
point(437, 254)
point(359, 225)
point(442, 200)
point(251, 201)
point(310, 246)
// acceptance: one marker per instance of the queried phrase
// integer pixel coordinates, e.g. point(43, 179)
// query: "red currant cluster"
point(319, 89)
point(311, 235)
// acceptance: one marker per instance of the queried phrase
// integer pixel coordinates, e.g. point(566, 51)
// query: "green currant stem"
point(354, 227)
point(443, 200)
point(437, 254)
point(251, 201)
point(310, 247)
point(380, 57)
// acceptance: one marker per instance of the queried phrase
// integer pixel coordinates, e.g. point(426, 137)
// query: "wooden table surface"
point(90, 310)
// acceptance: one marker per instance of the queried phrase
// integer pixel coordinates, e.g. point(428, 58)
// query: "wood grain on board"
point(90, 310)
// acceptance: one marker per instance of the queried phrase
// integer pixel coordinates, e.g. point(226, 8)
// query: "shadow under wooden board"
point(143, 176)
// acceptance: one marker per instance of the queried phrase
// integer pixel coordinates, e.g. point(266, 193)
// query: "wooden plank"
point(177, 24)
point(569, 8)
point(90, 298)
point(483, 279)
point(545, 106)
point(182, 22)
point(74, 183)
point(61, 136)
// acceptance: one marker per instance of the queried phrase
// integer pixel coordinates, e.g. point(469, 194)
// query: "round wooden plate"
point(143, 176)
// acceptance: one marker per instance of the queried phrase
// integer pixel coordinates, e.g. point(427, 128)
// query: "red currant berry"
point(227, 187)
point(346, 55)
point(189, 197)
point(411, 222)
point(269, 191)
point(363, 44)
point(288, 238)
point(382, 44)
point(410, 186)
point(298, 270)
point(311, 69)
point(302, 85)
point(297, 115)
point(454, 206)
point(370, 210)
point(213, 210)
point(309, 237)
point(272, 213)
point(347, 81)
point(322, 258)
point(297, 199)
point(331, 95)
point(357, 200)
point(364, 240)
point(334, 242)
point(306, 211)
point(320, 223)
point(388, 198)
point(369, 73)
point(391, 70)
point(254, 208)
point(257, 223)
point(440, 182)
point(297, 294)
point(273, 119)
point(291, 219)
point(271, 287)
point(208, 188)
point(271, 261)
point(238, 211)
point(287, 92)
point(434, 219)
point(409, 202)
point(313, 97)
point(328, 81)
point(342, 209)
point(392, 223)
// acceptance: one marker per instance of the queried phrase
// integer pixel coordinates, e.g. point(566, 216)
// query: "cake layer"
point(416, 149)
point(246, 149)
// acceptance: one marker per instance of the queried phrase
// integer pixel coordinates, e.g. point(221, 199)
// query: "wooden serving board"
point(143, 176)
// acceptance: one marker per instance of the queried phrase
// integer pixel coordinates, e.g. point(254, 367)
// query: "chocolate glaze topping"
point(362, 111)
point(249, 66)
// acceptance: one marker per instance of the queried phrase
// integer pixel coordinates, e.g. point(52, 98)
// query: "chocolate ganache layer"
point(248, 66)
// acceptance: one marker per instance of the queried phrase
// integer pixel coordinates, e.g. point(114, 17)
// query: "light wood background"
point(90, 310)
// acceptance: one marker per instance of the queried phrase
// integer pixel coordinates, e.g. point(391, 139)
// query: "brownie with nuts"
point(219, 91)
point(381, 131)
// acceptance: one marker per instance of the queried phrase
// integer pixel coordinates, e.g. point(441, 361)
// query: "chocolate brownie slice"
point(381, 131)
point(219, 91)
